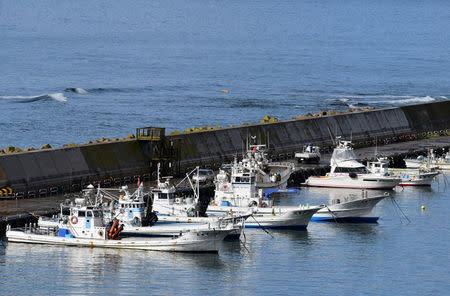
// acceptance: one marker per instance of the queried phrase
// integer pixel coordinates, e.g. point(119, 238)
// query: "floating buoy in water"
point(225, 91)
point(422, 208)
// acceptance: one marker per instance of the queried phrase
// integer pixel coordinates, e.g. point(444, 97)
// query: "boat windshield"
point(340, 155)
point(359, 170)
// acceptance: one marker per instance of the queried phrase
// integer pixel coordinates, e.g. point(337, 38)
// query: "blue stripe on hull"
point(278, 227)
point(346, 219)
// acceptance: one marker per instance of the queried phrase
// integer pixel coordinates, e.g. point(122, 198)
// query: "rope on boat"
point(401, 211)
point(332, 214)
point(244, 241)
point(262, 227)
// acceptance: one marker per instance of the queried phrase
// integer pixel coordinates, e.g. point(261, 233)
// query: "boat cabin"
point(86, 221)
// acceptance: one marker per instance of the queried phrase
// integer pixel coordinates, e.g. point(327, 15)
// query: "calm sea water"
point(74, 71)
point(393, 257)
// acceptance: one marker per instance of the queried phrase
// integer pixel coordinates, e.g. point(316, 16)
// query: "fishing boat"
point(429, 161)
point(237, 193)
point(351, 208)
point(85, 226)
point(310, 154)
point(268, 174)
point(422, 176)
point(129, 209)
point(347, 172)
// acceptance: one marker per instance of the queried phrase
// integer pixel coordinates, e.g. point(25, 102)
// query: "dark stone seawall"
point(59, 170)
point(285, 137)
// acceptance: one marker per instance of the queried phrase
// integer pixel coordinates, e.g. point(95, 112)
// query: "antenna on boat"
point(331, 136)
point(157, 172)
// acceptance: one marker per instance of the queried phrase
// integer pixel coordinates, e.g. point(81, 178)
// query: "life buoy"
point(225, 187)
point(74, 220)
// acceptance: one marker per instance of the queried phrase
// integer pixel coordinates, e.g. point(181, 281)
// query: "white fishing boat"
point(85, 228)
point(129, 209)
point(237, 193)
point(351, 208)
point(416, 177)
point(422, 176)
point(310, 154)
point(268, 174)
point(429, 161)
point(347, 172)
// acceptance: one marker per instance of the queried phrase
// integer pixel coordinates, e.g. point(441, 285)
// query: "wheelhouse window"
point(360, 170)
point(89, 214)
point(81, 213)
point(97, 214)
point(162, 196)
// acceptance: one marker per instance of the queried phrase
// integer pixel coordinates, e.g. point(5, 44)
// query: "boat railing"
point(35, 229)
point(72, 229)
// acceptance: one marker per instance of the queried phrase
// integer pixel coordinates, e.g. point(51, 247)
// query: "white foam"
point(56, 96)
point(410, 99)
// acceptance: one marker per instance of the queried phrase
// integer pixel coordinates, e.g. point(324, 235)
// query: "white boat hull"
point(359, 210)
point(415, 177)
point(192, 242)
point(345, 181)
point(276, 217)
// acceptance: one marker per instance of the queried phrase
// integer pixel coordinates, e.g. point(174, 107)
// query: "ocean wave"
point(28, 99)
point(360, 100)
point(80, 90)
point(411, 99)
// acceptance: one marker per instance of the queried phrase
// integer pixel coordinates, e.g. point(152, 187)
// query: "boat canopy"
point(344, 158)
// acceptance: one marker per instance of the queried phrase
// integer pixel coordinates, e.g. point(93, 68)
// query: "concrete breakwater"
point(53, 171)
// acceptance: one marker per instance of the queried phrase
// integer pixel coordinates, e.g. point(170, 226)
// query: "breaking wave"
point(80, 90)
point(361, 100)
point(411, 99)
point(28, 99)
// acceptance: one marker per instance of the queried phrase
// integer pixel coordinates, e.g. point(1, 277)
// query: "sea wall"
point(285, 137)
point(64, 169)
point(58, 170)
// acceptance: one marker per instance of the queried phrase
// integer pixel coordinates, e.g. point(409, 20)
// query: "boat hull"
point(344, 181)
point(276, 217)
point(186, 243)
point(356, 211)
